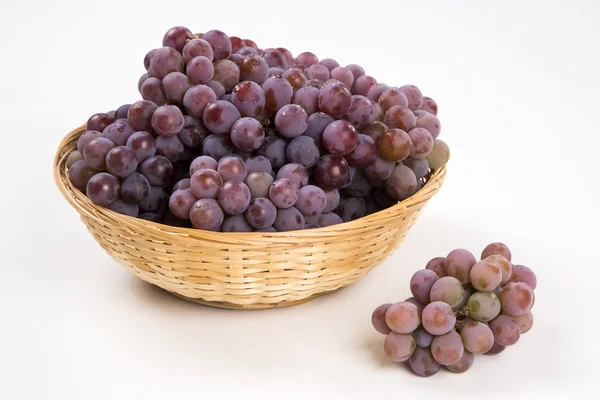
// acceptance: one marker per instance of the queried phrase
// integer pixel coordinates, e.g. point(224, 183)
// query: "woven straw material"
point(245, 270)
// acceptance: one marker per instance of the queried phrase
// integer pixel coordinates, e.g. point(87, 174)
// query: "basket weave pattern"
point(245, 270)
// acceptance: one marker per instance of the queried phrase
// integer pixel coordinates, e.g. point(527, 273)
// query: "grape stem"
point(461, 317)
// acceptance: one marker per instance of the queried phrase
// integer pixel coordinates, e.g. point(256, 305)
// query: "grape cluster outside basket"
point(245, 270)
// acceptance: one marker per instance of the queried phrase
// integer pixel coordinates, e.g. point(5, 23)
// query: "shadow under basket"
point(245, 270)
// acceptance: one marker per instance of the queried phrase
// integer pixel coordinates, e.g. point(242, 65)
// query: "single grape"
point(429, 105)
point(205, 183)
point(259, 184)
point(234, 197)
point(504, 265)
point(86, 138)
point(311, 220)
point(361, 112)
point(157, 169)
point(401, 183)
point(364, 154)
point(516, 298)
point(357, 70)
point(206, 214)
point(294, 172)
point(121, 161)
point(140, 114)
point(148, 57)
point(525, 322)
point(421, 283)
point(169, 147)
point(375, 91)
point(422, 362)
point(180, 184)
point(220, 43)
point(103, 189)
point(319, 71)
point(379, 112)
point(289, 219)
point(261, 213)
point(232, 168)
point(227, 73)
point(226, 97)
point(483, 306)
point(362, 85)
point(331, 172)
point(422, 143)
point(195, 48)
point(200, 70)
point(380, 170)
point(317, 123)
point(274, 148)
point(203, 162)
point(439, 156)
point(333, 200)
point(392, 97)
point(437, 265)
point(135, 188)
point(307, 59)
point(429, 122)
point(167, 121)
point(258, 164)
point(477, 337)
point(506, 330)
point(311, 200)
point(422, 337)
point(73, 157)
point(447, 349)
point(124, 208)
point(80, 173)
point(175, 85)
point(268, 229)
point(193, 133)
point(303, 150)
point(438, 317)
point(334, 99)
point(151, 90)
point(485, 276)
point(220, 116)
point(275, 59)
point(400, 117)
point(98, 122)
point(343, 75)
point(284, 193)
point(278, 93)
point(236, 43)
point(291, 121)
point(378, 319)
point(340, 137)
point(166, 60)
point(217, 146)
point(395, 145)
point(399, 346)
point(197, 98)
point(328, 219)
point(155, 200)
point(217, 87)
point(177, 37)
point(247, 134)
point(447, 289)
point(254, 68)
point(142, 80)
point(459, 263)
point(375, 130)
point(246, 51)
point(414, 96)
point(329, 63)
point(96, 151)
point(121, 112)
point(521, 273)
point(463, 364)
point(402, 317)
point(249, 98)
point(351, 208)
point(236, 223)
point(306, 97)
point(286, 54)
point(496, 349)
point(118, 132)
point(181, 202)
point(496, 248)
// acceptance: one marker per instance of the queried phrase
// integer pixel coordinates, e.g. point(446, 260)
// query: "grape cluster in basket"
point(461, 307)
point(229, 137)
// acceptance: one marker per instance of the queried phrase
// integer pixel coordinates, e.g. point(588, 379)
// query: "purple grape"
point(459, 263)
point(429, 105)
point(447, 349)
point(284, 193)
point(182, 184)
point(236, 223)
point(268, 229)
point(375, 91)
point(177, 37)
point(496, 248)
point(166, 60)
point(197, 98)
point(379, 113)
point(303, 150)
point(140, 114)
point(121, 112)
point(331, 172)
point(306, 97)
point(206, 214)
point(422, 337)
point(80, 173)
point(399, 346)
point(148, 57)
point(317, 123)
point(200, 70)
point(85, 138)
point(169, 147)
point(334, 99)
point(247, 134)
point(319, 71)
point(181, 202)
point(254, 68)
point(175, 85)
point(195, 48)
point(496, 349)
point(227, 73)
point(274, 148)
point(447, 289)
point(258, 164)
point(220, 116)
point(288, 219)
point(217, 146)
point(359, 186)
point(422, 362)
point(297, 173)
point(525, 322)
point(249, 98)
point(103, 189)
point(402, 183)
point(205, 183)
point(333, 200)
point(151, 90)
point(516, 298)
point(217, 87)
point(307, 59)
point(421, 283)
point(381, 169)
point(167, 121)
point(422, 143)
point(154, 201)
point(438, 318)
point(361, 112)
point(246, 51)
point(521, 273)
point(340, 137)
point(364, 154)
point(98, 122)
point(275, 59)
point(403, 317)
point(329, 63)
point(400, 117)
point(311, 200)
point(378, 319)
point(351, 208)
point(485, 276)
point(259, 184)
point(291, 120)
point(232, 168)
point(363, 84)
point(193, 133)
point(234, 197)
point(121, 161)
point(328, 219)
point(135, 188)
point(261, 213)
point(506, 330)
point(392, 97)
point(278, 93)
point(343, 75)
point(96, 151)
point(157, 170)
point(118, 132)
point(414, 96)
point(463, 364)
point(226, 97)
point(220, 43)
point(483, 306)
point(429, 122)
point(437, 265)
point(203, 162)
point(119, 206)
point(419, 167)
point(477, 337)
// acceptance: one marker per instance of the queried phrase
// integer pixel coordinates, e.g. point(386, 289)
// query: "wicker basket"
point(245, 270)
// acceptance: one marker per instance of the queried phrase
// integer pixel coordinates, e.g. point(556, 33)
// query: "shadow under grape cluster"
point(230, 137)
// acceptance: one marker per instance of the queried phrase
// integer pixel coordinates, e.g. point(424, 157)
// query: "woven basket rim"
point(84, 205)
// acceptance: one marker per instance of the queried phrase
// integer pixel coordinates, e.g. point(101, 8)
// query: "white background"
point(517, 85)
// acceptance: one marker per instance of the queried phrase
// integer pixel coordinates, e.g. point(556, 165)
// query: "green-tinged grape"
point(259, 184)
point(378, 319)
point(483, 306)
point(438, 318)
point(422, 362)
point(525, 321)
point(506, 330)
point(402, 317)
point(463, 364)
point(449, 290)
point(73, 157)
point(516, 298)
point(447, 349)
point(459, 263)
point(80, 173)
point(485, 276)
point(399, 346)
point(439, 156)
point(477, 337)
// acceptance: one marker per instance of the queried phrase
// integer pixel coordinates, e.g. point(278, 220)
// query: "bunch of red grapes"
point(229, 137)
point(460, 307)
